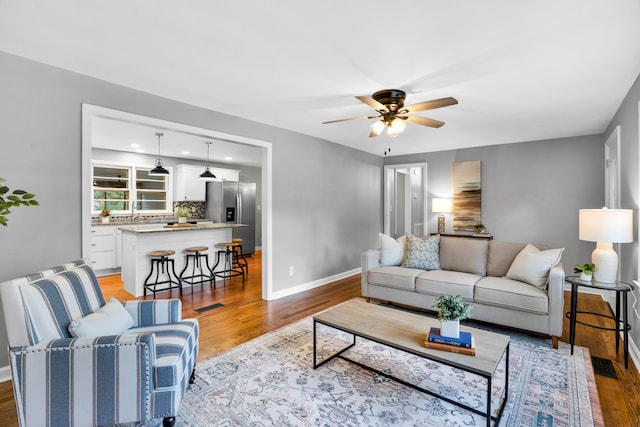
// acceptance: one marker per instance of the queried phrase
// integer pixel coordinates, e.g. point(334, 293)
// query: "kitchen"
point(142, 205)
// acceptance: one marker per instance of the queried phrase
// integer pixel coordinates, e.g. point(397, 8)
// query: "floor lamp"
point(606, 227)
point(441, 206)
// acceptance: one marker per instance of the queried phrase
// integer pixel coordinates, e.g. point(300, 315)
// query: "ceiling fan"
point(394, 116)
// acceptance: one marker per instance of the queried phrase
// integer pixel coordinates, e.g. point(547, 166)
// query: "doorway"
point(91, 112)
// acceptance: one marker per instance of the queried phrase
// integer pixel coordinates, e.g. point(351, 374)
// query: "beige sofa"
point(475, 269)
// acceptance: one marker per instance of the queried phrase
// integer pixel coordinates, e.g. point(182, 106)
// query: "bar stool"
point(199, 257)
point(160, 261)
point(241, 260)
point(231, 266)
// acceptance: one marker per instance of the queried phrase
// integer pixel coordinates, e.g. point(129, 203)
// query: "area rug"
point(270, 381)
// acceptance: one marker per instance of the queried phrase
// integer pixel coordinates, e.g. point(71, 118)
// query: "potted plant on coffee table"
point(451, 310)
point(11, 199)
point(182, 214)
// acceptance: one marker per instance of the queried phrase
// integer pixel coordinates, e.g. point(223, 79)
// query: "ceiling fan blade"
point(430, 105)
point(351, 118)
point(373, 103)
point(424, 121)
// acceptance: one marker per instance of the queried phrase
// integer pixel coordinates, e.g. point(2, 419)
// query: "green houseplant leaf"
point(10, 199)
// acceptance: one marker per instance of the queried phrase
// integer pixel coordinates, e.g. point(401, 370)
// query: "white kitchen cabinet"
point(226, 174)
point(188, 186)
point(104, 248)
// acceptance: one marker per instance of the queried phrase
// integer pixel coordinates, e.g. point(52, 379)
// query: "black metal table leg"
point(572, 320)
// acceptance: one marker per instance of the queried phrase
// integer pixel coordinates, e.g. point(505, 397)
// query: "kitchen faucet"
point(133, 206)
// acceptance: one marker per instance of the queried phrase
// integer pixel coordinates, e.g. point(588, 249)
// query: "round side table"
point(622, 325)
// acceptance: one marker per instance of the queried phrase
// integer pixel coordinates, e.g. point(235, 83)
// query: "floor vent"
point(603, 367)
point(209, 307)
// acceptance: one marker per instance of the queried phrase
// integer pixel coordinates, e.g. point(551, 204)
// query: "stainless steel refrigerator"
point(234, 202)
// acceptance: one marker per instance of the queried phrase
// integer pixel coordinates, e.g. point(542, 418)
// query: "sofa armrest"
point(154, 312)
point(115, 371)
point(555, 292)
point(370, 259)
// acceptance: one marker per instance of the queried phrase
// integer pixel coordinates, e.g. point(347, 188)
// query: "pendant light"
point(159, 170)
point(207, 175)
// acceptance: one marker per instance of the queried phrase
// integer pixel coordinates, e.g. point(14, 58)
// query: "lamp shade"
point(441, 205)
point(606, 225)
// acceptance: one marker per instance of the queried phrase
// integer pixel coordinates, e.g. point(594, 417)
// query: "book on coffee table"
point(464, 340)
point(471, 351)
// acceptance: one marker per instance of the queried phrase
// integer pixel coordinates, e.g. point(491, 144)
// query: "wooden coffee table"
point(407, 332)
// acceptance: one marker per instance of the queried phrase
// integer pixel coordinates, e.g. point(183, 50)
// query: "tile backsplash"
point(197, 209)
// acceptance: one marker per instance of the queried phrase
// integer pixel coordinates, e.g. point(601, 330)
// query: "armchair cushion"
point(110, 319)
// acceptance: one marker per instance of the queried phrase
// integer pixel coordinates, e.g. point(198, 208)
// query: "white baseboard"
point(315, 284)
point(5, 374)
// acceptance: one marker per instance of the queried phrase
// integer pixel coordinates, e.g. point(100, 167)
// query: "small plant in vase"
point(451, 310)
point(479, 227)
point(182, 214)
point(104, 213)
point(585, 270)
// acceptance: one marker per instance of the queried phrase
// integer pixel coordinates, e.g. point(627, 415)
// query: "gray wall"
point(627, 119)
point(531, 191)
point(326, 197)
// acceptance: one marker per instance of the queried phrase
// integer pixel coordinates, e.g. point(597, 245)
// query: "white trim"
point(315, 284)
point(89, 112)
point(612, 144)
point(5, 374)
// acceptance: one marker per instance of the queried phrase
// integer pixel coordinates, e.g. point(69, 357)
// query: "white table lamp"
point(605, 226)
point(441, 206)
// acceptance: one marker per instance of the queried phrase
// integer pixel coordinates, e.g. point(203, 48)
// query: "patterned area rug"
point(270, 381)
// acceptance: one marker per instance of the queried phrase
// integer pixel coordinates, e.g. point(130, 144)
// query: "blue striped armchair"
point(66, 376)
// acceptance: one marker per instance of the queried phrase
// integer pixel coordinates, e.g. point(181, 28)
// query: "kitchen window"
point(117, 188)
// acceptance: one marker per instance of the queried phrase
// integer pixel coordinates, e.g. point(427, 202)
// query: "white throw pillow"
point(110, 319)
point(532, 265)
point(392, 251)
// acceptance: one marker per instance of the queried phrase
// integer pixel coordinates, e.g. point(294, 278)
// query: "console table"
point(621, 289)
point(482, 236)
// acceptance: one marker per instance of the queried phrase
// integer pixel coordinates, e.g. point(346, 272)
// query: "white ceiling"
point(521, 70)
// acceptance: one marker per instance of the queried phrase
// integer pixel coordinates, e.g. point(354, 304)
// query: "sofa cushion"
point(110, 319)
point(501, 255)
point(423, 253)
point(532, 265)
point(511, 294)
point(392, 251)
point(53, 302)
point(394, 277)
point(467, 255)
point(438, 282)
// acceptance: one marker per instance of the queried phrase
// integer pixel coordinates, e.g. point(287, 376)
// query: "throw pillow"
point(392, 251)
point(110, 319)
point(532, 265)
point(423, 253)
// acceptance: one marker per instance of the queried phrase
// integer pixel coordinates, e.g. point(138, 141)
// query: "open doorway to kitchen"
point(92, 114)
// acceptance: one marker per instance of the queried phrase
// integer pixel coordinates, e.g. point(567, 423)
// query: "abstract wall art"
point(467, 194)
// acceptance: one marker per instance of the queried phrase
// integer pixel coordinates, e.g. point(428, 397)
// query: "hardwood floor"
point(244, 316)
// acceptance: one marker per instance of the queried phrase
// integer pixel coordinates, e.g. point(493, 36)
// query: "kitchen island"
point(139, 240)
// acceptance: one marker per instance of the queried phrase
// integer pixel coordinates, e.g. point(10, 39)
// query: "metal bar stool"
point(196, 253)
point(231, 266)
point(160, 262)
point(240, 259)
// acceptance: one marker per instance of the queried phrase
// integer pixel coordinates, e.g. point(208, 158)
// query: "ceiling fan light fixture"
point(207, 175)
point(396, 127)
point(159, 170)
point(376, 128)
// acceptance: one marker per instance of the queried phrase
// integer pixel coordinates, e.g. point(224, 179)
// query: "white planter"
point(182, 220)
point(586, 277)
point(450, 328)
